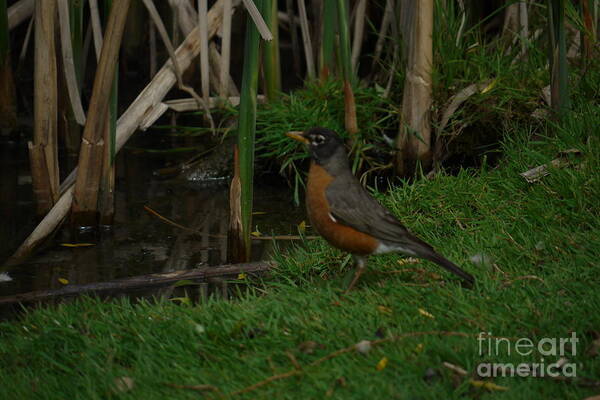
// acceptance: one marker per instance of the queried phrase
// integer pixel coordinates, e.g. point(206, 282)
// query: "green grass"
point(550, 230)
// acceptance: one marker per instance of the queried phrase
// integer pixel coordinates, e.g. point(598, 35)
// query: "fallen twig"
point(267, 381)
point(158, 280)
point(345, 350)
point(171, 222)
point(285, 237)
point(198, 388)
point(459, 370)
point(293, 360)
point(521, 278)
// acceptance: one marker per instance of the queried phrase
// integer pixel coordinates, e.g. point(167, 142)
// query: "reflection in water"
point(139, 243)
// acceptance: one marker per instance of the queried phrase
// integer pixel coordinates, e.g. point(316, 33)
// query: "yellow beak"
point(297, 135)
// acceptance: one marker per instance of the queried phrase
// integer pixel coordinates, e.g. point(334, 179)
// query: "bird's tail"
point(449, 265)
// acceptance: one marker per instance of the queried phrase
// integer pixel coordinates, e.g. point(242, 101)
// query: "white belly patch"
point(391, 248)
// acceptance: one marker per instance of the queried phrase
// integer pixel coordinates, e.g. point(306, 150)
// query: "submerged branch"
point(151, 281)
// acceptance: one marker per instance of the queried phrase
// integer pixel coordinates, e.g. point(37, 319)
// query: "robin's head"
point(322, 143)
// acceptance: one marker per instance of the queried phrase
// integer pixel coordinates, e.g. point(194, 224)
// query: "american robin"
point(342, 211)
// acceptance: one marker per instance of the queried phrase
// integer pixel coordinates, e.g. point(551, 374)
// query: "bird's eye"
point(318, 139)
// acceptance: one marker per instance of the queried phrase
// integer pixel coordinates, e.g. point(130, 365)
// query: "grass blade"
point(247, 130)
point(558, 57)
point(329, 29)
point(271, 64)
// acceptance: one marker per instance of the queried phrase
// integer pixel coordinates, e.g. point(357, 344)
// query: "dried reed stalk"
point(359, 30)
point(96, 27)
point(87, 183)
point(43, 152)
point(19, 12)
point(308, 50)
point(258, 20)
point(178, 73)
point(150, 98)
point(224, 77)
point(216, 63)
point(203, 32)
point(187, 17)
point(68, 62)
point(414, 141)
point(388, 16)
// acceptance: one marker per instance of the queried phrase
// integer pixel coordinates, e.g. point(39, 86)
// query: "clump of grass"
point(323, 105)
point(466, 55)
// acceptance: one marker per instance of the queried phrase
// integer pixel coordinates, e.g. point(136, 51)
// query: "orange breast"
point(338, 235)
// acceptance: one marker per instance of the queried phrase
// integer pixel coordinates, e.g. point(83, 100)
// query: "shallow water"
point(138, 243)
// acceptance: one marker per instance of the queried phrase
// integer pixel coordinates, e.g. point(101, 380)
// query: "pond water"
point(138, 243)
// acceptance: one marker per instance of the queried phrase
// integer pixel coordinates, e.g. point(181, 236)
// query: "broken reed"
point(246, 133)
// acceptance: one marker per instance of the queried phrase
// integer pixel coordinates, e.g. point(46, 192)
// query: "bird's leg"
point(360, 267)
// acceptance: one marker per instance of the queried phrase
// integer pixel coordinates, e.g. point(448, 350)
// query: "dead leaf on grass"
point(491, 386)
point(384, 309)
point(124, 384)
point(425, 313)
point(364, 346)
point(455, 368)
point(309, 346)
point(382, 364)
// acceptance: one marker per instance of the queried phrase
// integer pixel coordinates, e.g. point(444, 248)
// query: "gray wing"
point(351, 205)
